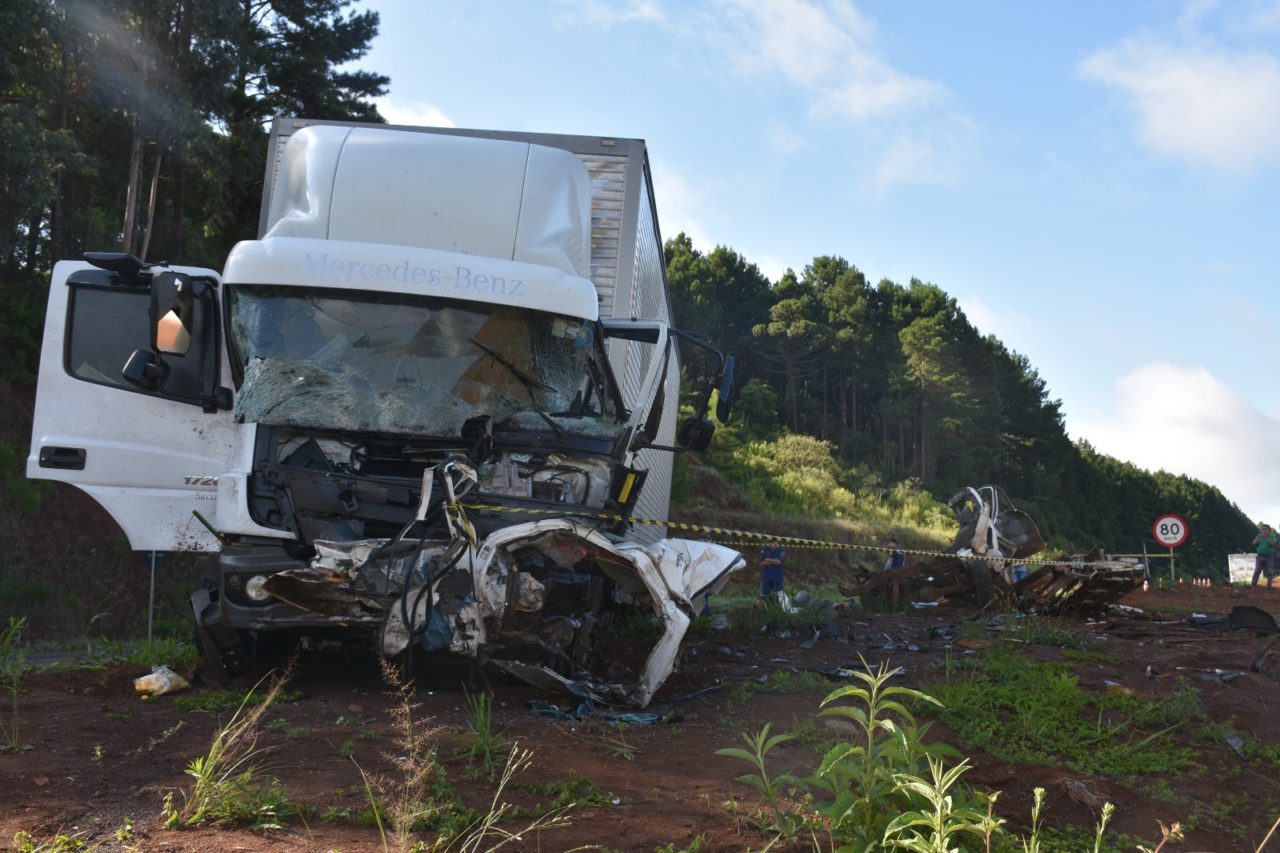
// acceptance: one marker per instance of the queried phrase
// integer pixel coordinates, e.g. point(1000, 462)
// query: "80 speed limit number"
point(1170, 530)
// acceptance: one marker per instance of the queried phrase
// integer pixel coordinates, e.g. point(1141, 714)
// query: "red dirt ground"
point(674, 788)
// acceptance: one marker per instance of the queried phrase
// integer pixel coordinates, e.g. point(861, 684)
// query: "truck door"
point(129, 405)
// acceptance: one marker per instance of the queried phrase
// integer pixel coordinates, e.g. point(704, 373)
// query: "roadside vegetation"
point(13, 667)
point(1016, 699)
point(882, 786)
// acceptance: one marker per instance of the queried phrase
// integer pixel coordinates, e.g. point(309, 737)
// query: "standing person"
point(773, 560)
point(1265, 562)
point(897, 559)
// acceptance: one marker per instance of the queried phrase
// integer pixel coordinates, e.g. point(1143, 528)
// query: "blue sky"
point(1098, 183)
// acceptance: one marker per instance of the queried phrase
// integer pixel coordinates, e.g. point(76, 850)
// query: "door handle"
point(69, 458)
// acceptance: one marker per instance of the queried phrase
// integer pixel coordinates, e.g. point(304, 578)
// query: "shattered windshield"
point(412, 365)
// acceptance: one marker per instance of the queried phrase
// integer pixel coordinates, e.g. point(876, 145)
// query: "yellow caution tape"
point(738, 538)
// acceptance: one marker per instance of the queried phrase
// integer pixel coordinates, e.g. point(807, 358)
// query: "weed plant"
point(176, 654)
point(802, 681)
point(577, 790)
point(419, 797)
point(487, 832)
point(229, 786)
point(24, 842)
point(865, 778)
point(410, 799)
point(884, 787)
point(485, 748)
point(13, 667)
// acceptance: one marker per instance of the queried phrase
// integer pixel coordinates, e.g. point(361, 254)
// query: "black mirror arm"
point(702, 344)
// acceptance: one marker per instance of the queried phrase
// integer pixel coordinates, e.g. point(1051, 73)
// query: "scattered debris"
point(1254, 619)
point(160, 681)
point(1268, 661)
point(588, 711)
point(1090, 586)
point(1083, 793)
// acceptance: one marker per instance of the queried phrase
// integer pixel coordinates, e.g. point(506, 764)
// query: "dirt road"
point(100, 755)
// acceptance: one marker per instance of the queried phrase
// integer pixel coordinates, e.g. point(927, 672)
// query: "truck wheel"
point(223, 650)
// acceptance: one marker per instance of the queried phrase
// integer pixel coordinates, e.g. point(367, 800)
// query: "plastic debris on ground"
point(588, 711)
point(160, 681)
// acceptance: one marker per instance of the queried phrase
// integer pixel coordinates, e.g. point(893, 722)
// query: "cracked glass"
point(412, 365)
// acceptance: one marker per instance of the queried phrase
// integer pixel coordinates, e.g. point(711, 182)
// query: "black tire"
point(224, 651)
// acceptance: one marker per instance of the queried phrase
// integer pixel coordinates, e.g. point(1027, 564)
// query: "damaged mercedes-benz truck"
point(419, 411)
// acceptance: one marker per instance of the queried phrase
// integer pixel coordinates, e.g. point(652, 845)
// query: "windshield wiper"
point(529, 384)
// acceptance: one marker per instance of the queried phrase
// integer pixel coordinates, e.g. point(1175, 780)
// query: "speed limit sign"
point(1170, 530)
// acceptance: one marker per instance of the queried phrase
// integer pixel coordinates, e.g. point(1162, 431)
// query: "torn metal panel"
point(587, 588)
point(986, 528)
point(693, 571)
point(1088, 588)
point(554, 602)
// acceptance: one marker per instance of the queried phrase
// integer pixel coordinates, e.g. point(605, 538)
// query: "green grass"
point(1028, 712)
point(175, 654)
point(577, 790)
point(1071, 837)
point(282, 726)
point(226, 699)
point(486, 749)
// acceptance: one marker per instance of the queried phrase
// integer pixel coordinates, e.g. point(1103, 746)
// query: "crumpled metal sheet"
point(488, 602)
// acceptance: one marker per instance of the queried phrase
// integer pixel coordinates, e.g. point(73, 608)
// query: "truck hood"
point(349, 265)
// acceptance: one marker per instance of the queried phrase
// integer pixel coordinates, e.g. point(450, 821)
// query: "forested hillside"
point(909, 395)
point(138, 125)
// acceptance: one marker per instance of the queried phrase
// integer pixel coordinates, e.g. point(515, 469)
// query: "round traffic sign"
point(1170, 530)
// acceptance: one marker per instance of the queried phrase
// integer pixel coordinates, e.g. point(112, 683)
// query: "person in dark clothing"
point(897, 559)
point(773, 559)
point(1265, 563)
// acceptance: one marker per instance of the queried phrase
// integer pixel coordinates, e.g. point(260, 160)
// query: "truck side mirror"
point(145, 370)
point(695, 433)
point(182, 360)
point(724, 402)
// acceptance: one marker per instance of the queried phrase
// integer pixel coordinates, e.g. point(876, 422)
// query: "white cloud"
point(927, 155)
point(415, 113)
point(684, 205)
point(909, 130)
point(1184, 420)
point(606, 15)
point(830, 50)
point(1197, 102)
point(1009, 325)
point(771, 266)
point(1266, 19)
point(1194, 14)
point(782, 139)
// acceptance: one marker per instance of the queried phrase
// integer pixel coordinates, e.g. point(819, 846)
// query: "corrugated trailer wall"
point(649, 300)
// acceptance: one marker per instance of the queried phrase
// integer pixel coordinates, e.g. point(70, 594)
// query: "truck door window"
point(105, 324)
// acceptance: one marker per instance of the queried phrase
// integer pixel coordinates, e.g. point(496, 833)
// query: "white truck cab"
point(427, 314)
